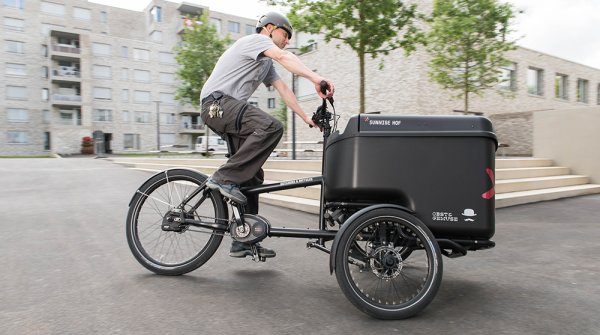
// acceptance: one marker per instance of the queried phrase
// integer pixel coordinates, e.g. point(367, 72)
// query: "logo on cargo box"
point(490, 193)
point(381, 122)
point(469, 213)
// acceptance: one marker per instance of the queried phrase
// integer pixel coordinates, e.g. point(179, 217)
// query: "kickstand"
point(255, 256)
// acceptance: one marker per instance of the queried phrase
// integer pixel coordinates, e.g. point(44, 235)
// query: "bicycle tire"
point(162, 252)
point(374, 271)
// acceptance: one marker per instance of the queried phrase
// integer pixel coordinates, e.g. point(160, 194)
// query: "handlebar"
point(322, 117)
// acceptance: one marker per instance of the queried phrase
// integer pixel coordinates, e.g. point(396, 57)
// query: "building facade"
point(535, 81)
point(71, 68)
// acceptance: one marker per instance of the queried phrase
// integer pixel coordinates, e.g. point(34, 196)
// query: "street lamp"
point(157, 125)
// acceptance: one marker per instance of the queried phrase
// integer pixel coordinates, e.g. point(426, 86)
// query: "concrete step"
point(525, 197)
point(508, 163)
point(299, 204)
point(531, 172)
point(527, 184)
point(518, 180)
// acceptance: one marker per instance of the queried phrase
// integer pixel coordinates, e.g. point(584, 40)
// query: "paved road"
point(66, 269)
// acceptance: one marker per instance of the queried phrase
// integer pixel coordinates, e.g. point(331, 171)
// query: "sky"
point(569, 29)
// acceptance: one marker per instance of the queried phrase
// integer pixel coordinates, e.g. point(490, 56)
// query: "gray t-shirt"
point(241, 68)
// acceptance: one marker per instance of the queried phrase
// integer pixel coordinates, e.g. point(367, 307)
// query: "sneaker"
point(230, 191)
point(241, 250)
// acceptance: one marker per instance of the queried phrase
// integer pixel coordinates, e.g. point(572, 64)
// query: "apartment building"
point(73, 68)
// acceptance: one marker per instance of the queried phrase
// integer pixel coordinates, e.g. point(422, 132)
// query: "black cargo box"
point(441, 167)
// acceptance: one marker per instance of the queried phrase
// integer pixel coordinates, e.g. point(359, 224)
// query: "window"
point(141, 54)
point(250, 29)
point(535, 81)
point(125, 116)
point(44, 71)
point(124, 73)
point(45, 94)
point(560, 86)
point(125, 52)
point(217, 24)
point(14, 24)
point(131, 141)
point(166, 78)
point(103, 115)
point(167, 118)
point(101, 71)
point(233, 27)
point(13, 69)
point(14, 3)
point(156, 36)
point(271, 103)
point(67, 117)
point(166, 58)
point(82, 13)
point(101, 49)
point(271, 88)
point(508, 78)
point(141, 96)
point(253, 101)
point(102, 93)
point(44, 50)
point(18, 137)
point(46, 140)
point(125, 95)
point(14, 47)
point(46, 116)
point(52, 8)
point(582, 90)
point(156, 14)
point(167, 98)
point(598, 95)
point(142, 117)
point(16, 92)
point(103, 17)
point(167, 139)
point(17, 115)
point(141, 76)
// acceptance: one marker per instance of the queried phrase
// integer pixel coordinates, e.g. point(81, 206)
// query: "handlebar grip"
point(323, 86)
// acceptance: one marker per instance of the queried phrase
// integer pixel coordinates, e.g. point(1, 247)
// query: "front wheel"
point(185, 248)
point(373, 268)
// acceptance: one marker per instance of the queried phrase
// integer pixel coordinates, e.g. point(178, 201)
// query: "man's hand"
point(330, 88)
point(311, 123)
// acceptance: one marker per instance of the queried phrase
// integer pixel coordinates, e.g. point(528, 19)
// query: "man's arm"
point(293, 64)
point(290, 100)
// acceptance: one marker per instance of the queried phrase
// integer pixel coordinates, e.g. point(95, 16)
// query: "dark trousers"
point(253, 134)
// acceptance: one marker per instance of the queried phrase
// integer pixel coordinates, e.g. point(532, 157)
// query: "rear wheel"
point(373, 268)
point(183, 248)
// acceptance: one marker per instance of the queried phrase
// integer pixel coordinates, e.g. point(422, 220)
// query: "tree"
point(368, 27)
point(468, 43)
point(197, 55)
point(281, 114)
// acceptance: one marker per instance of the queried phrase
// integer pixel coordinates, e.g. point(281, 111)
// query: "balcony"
point(66, 74)
point(191, 128)
point(65, 51)
point(66, 100)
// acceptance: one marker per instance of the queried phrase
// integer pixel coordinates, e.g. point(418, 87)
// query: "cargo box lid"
point(416, 125)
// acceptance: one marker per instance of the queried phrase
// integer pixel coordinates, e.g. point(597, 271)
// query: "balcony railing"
point(65, 97)
point(191, 127)
point(65, 49)
point(66, 73)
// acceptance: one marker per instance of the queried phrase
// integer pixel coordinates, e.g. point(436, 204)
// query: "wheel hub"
point(386, 262)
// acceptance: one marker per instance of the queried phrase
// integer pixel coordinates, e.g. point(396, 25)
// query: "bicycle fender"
point(145, 183)
point(351, 219)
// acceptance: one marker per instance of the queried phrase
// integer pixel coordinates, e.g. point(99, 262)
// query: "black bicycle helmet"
point(277, 20)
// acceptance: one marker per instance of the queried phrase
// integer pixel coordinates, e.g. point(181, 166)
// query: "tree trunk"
point(361, 58)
